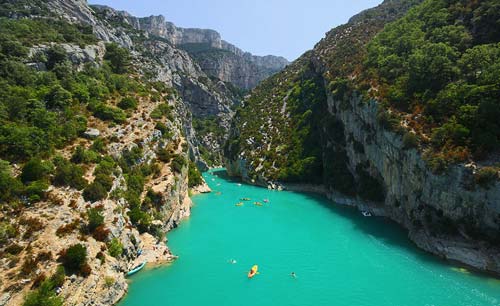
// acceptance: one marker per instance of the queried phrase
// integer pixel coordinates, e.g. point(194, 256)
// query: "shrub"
point(59, 276)
point(36, 190)
point(109, 282)
point(101, 233)
point(7, 231)
point(74, 258)
point(410, 141)
point(99, 145)
point(35, 169)
point(128, 103)
point(486, 177)
point(162, 110)
point(194, 176)
point(164, 155)
point(95, 192)
point(43, 296)
point(67, 228)
point(178, 163)
point(84, 156)
point(105, 112)
point(10, 187)
point(95, 218)
point(68, 174)
point(118, 57)
point(115, 247)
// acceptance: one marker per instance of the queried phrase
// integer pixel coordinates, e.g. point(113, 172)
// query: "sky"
point(286, 28)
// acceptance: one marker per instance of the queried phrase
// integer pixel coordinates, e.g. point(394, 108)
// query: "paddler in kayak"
point(253, 271)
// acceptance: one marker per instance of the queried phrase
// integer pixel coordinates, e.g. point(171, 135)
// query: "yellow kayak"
point(239, 204)
point(257, 203)
point(253, 271)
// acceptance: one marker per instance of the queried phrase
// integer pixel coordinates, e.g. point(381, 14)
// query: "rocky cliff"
point(312, 127)
point(215, 56)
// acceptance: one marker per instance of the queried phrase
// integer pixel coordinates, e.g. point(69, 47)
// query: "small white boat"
point(366, 213)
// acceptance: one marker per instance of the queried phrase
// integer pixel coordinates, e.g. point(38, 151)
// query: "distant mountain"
point(215, 56)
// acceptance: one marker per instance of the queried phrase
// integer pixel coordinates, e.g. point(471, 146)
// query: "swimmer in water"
point(293, 275)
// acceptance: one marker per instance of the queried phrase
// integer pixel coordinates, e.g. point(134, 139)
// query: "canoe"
point(136, 268)
point(253, 271)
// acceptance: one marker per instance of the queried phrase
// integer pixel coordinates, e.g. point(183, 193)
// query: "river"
point(339, 257)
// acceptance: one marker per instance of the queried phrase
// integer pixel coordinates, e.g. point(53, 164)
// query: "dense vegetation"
point(47, 101)
point(441, 64)
point(286, 149)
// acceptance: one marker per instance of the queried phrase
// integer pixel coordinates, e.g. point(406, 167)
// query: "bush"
point(105, 112)
point(410, 141)
point(115, 247)
point(36, 190)
point(194, 175)
point(128, 103)
point(486, 177)
point(35, 169)
point(162, 110)
point(10, 187)
point(59, 276)
point(109, 282)
point(101, 233)
point(84, 156)
point(68, 174)
point(164, 155)
point(118, 57)
point(95, 218)
point(178, 163)
point(95, 192)
point(43, 296)
point(74, 258)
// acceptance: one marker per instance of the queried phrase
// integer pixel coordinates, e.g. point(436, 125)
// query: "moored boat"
point(136, 268)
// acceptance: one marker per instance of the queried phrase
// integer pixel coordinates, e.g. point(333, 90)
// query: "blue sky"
point(278, 27)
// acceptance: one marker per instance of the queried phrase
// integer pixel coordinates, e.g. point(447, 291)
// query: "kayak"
point(239, 204)
point(245, 199)
point(136, 268)
point(257, 203)
point(253, 271)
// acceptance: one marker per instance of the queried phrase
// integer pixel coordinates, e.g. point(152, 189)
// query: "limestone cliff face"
point(441, 212)
point(362, 163)
point(215, 56)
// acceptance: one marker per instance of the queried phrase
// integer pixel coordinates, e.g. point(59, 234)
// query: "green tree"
point(35, 169)
point(95, 218)
point(115, 247)
point(43, 296)
point(118, 57)
point(74, 257)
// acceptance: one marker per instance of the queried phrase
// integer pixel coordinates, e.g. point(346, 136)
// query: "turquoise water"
point(339, 257)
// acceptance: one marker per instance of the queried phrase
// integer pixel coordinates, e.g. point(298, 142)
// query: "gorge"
point(108, 119)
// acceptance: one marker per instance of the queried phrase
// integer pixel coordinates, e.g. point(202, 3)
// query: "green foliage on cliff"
point(45, 295)
point(194, 175)
point(279, 124)
point(442, 62)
